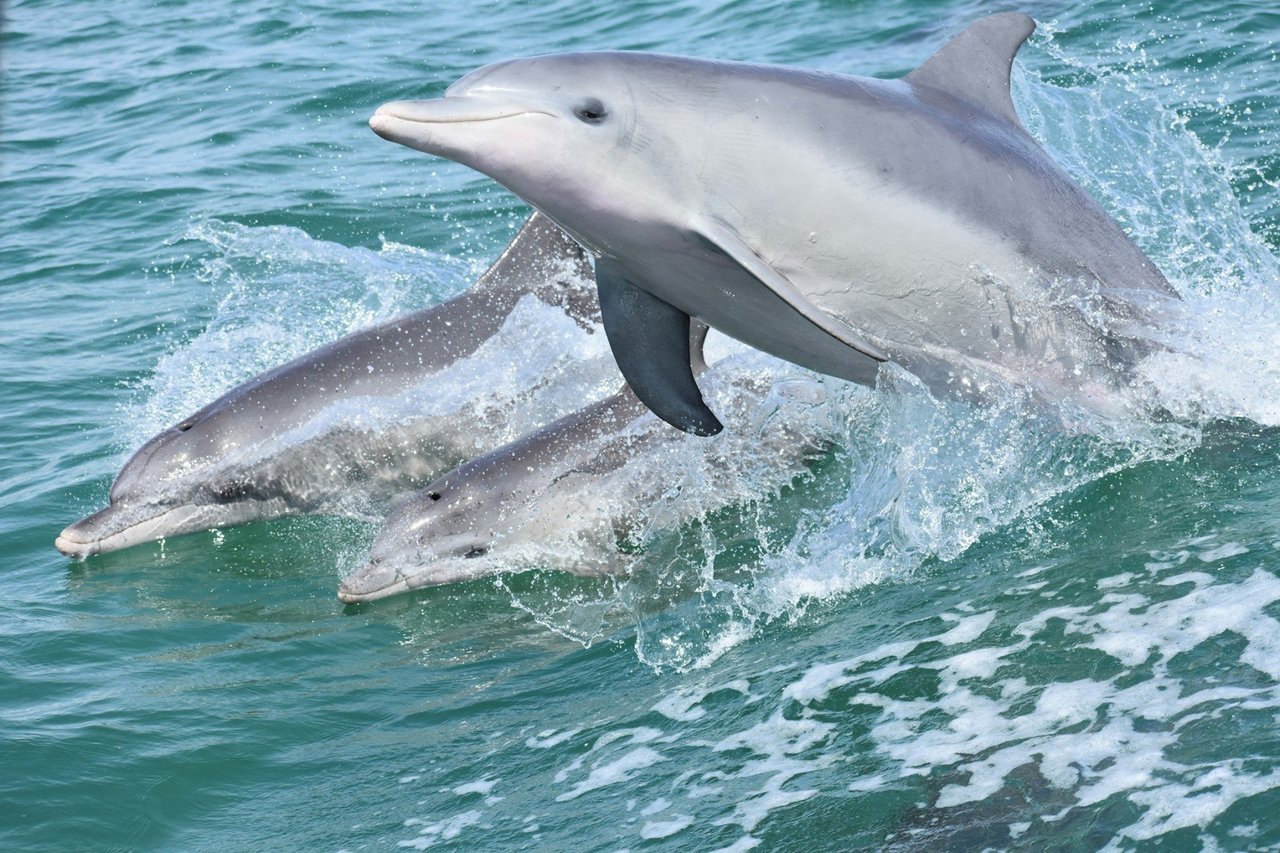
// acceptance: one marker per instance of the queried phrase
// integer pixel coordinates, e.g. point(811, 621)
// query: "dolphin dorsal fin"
point(974, 65)
point(538, 252)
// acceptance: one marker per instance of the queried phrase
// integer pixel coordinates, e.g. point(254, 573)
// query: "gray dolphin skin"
point(564, 496)
point(455, 529)
point(833, 221)
point(231, 462)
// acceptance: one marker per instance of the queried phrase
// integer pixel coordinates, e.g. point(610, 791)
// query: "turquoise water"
point(958, 632)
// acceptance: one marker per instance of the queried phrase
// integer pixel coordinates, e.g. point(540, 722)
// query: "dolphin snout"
point(69, 546)
point(378, 123)
point(122, 525)
point(83, 539)
point(410, 123)
point(445, 126)
point(449, 110)
point(376, 580)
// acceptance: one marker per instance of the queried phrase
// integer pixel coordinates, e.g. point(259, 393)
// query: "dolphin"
point(834, 221)
point(469, 522)
point(576, 494)
point(256, 452)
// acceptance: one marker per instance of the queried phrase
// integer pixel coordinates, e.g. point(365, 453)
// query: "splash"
point(278, 293)
point(1040, 707)
point(1110, 123)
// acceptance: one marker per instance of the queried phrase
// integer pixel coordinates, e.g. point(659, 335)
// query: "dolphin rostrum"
point(252, 454)
point(831, 220)
point(570, 495)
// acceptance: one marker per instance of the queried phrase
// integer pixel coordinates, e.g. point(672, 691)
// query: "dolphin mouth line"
point(403, 581)
point(69, 546)
point(390, 111)
point(348, 597)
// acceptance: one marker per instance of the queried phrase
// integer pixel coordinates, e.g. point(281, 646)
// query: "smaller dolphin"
point(233, 461)
point(464, 524)
point(570, 494)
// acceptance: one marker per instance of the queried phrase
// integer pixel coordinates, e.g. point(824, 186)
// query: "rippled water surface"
point(955, 629)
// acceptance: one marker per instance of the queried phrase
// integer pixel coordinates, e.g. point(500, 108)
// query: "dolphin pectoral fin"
point(697, 340)
point(974, 66)
point(651, 343)
point(727, 241)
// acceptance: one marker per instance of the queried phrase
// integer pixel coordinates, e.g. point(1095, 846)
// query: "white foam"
point(1090, 739)
point(432, 834)
point(1223, 552)
point(659, 805)
point(968, 629)
point(665, 828)
point(1081, 735)
point(482, 786)
point(613, 772)
point(550, 737)
point(777, 741)
point(681, 706)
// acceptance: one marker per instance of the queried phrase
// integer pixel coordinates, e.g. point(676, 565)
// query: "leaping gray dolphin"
point(224, 464)
point(831, 220)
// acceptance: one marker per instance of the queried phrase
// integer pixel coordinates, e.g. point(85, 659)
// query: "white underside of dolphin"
point(833, 221)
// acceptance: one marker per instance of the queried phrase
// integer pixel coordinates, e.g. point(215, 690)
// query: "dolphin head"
point(449, 532)
point(178, 482)
point(532, 502)
point(573, 133)
point(518, 116)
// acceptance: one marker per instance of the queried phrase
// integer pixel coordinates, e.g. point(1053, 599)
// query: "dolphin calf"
point(471, 521)
point(569, 495)
point(263, 450)
point(831, 220)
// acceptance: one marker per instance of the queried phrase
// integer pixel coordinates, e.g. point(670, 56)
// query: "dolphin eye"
point(435, 496)
point(476, 551)
point(591, 111)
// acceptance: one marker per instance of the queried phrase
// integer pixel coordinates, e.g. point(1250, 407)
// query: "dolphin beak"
point(449, 110)
point(381, 578)
point(416, 123)
point(371, 582)
point(117, 527)
point(81, 539)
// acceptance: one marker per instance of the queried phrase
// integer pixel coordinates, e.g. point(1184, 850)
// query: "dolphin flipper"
point(727, 241)
point(651, 343)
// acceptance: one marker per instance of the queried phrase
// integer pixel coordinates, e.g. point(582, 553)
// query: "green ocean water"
point(958, 632)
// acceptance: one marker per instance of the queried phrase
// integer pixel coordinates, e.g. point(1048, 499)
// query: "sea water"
point(959, 630)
